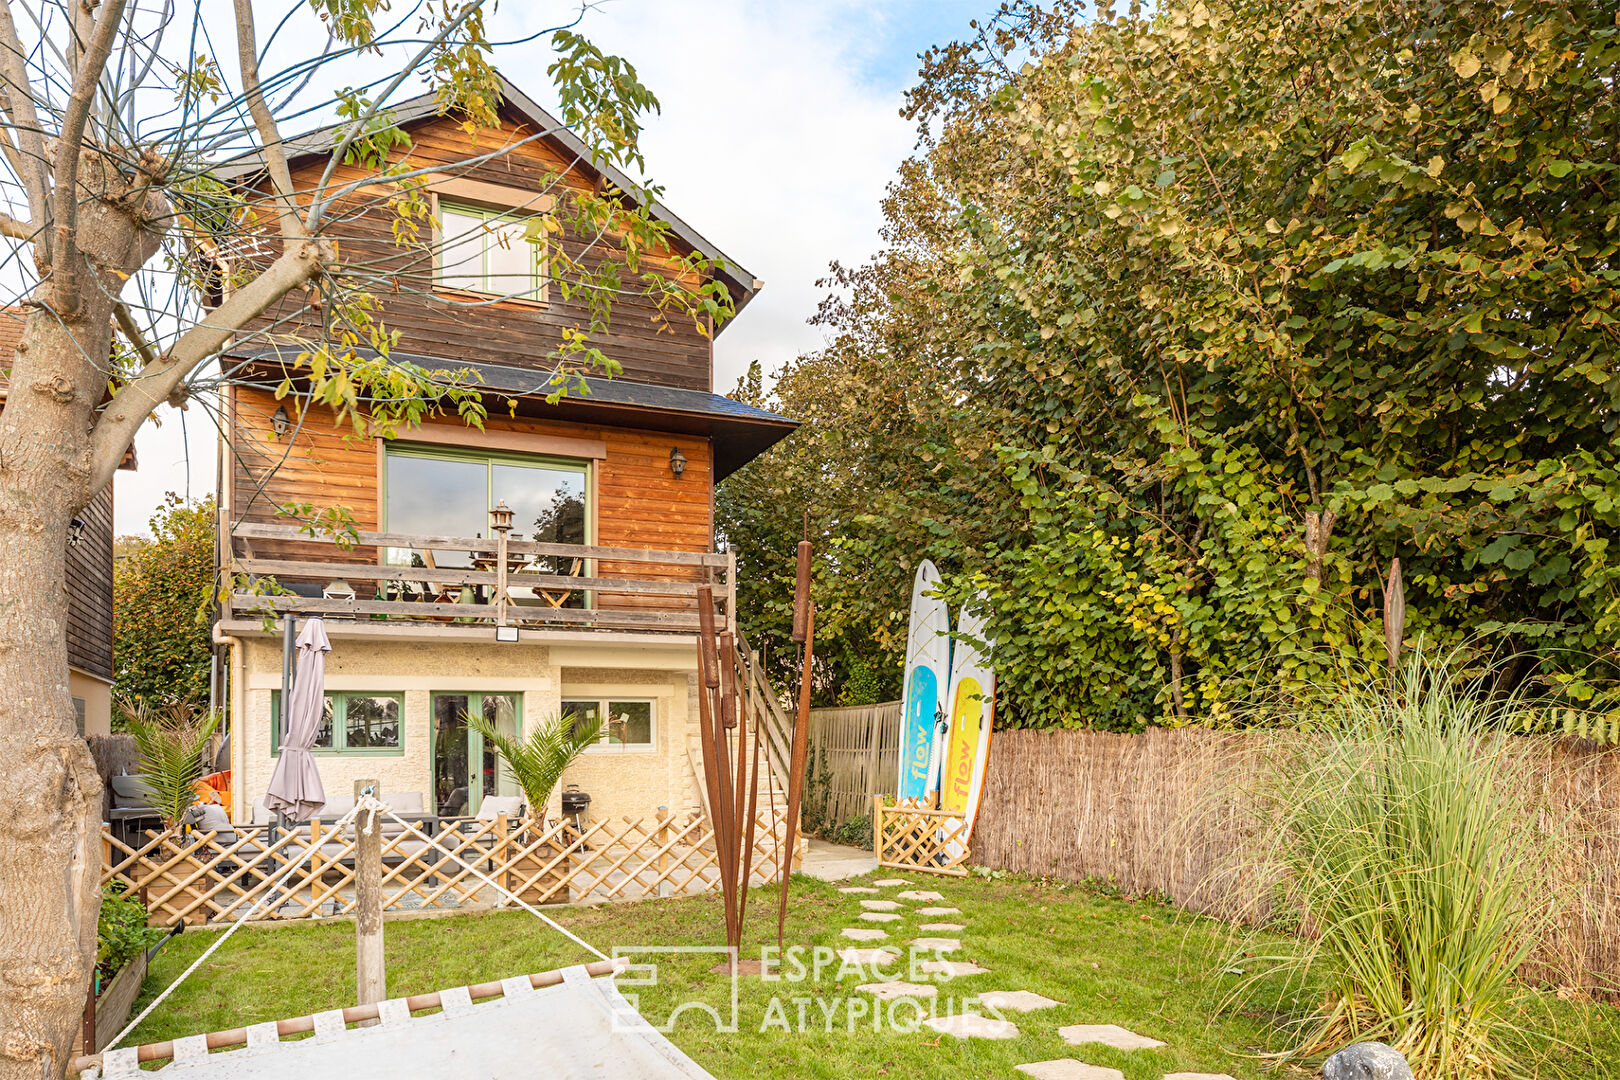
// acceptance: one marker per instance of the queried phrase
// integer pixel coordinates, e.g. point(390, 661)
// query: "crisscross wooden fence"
point(308, 871)
point(912, 837)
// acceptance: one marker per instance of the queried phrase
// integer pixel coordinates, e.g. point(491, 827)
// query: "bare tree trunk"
point(1175, 684)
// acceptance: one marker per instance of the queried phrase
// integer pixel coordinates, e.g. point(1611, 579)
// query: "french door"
point(465, 767)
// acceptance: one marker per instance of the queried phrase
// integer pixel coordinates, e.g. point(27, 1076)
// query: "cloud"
point(779, 131)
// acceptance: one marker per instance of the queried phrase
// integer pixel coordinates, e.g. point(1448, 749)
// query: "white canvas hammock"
point(571, 1024)
point(568, 1024)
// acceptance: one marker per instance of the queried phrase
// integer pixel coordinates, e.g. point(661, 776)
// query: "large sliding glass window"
point(436, 492)
point(465, 767)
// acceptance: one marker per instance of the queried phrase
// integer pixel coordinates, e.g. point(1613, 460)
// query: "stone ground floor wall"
point(620, 780)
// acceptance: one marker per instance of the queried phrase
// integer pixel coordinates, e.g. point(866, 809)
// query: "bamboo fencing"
point(196, 877)
point(854, 755)
point(1163, 813)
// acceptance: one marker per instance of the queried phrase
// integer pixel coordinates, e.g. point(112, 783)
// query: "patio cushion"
point(495, 805)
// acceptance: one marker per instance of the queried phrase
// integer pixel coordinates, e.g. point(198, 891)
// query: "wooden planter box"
point(550, 887)
point(111, 1007)
point(199, 877)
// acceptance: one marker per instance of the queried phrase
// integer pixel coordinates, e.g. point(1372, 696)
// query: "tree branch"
point(64, 253)
point(160, 377)
point(275, 155)
point(17, 230)
point(19, 105)
point(132, 334)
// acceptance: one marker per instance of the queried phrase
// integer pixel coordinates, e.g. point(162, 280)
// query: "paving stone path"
point(951, 968)
point(973, 1026)
point(1016, 1001)
point(889, 991)
point(920, 894)
point(889, 881)
point(882, 905)
point(867, 957)
point(939, 911)
point(861, 933)
point(1107, 1034)
point(1069, 1069)
point(947, 927)
point(879, 916)
point(938, 944)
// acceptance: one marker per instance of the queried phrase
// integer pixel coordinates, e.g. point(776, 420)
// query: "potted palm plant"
point(536, 762)
point(172, 740)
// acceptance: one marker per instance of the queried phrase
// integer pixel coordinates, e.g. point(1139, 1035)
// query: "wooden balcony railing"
point(279, 569)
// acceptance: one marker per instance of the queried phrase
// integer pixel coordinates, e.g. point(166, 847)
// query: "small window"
point(626, 723)
point(487, 251)
point(352, 722)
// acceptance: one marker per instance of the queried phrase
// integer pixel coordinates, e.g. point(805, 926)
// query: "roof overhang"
point(739, 282)
point(739, 432)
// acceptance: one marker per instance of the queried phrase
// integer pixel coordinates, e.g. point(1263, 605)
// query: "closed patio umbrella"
point(295, 786)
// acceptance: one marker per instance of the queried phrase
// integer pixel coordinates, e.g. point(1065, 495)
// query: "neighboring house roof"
point(742, 284)
point(741, 432)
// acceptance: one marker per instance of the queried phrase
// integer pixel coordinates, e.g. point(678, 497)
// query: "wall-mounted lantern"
point(677, 462)
point(280, 423)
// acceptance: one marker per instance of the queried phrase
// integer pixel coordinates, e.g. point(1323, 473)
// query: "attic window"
point(491, 252)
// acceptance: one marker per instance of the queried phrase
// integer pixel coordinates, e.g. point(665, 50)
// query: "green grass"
point(1139, 965)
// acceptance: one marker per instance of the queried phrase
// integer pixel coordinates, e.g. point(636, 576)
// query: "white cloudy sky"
point(780, 128)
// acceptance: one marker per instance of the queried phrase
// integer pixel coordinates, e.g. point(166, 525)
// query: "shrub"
point(538, 761)
point(121, 931)
point(1409, 844)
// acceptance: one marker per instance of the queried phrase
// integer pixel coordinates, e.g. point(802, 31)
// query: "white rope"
point(274, 890)
point(369, 806)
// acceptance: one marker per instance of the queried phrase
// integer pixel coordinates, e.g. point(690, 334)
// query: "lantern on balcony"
point(500, 518)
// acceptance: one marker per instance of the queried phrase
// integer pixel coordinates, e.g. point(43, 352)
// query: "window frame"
point(475, 741)
point(539, 296)
point(340, 730)
point(602, 746)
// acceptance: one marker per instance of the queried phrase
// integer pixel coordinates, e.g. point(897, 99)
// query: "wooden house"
point(594, 609)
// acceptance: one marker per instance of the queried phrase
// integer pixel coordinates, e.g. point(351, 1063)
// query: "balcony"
point(465, 587)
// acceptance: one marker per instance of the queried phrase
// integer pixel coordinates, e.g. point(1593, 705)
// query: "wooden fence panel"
point(912, 837)
point(857, 750)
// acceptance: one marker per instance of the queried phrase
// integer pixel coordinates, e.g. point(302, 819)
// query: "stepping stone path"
point(882, 905)
point(951, 968)
point(888, 881)
point(889, 991)
point(857, 933)
point(1069, 1069)
point(1107, 1034)
point(879, 916)
point(938, 944)
point(857, 889)
point(920, 894)
point(971, 1026)
point(947, 927)
point(867, 956)
point(1019, 1001)
point(939, 911)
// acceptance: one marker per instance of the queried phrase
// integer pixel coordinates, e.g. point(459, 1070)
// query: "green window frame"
point(339, 700)
point(475, 746)
point(496, 234)
point(605, 706)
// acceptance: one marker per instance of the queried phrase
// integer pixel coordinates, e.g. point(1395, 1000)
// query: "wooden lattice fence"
point(308, 871)
point(912, 837)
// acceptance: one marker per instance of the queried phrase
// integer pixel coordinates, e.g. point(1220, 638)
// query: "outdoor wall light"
point(279, 422)
point(677, 462)
point(75, 534)
point(500, 518)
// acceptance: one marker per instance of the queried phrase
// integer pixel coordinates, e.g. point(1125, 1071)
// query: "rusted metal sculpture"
point(804, 633)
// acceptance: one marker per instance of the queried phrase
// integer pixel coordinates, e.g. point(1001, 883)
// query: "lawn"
point(1110, 961)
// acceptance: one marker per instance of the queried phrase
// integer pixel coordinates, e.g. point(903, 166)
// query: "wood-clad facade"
point(428, 622)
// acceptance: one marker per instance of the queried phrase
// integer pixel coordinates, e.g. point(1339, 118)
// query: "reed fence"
point(908, 836)
point(202, 877)
point(854, 755)
point(1162, 813)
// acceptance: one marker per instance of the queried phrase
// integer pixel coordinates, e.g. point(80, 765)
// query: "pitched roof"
point(741, 432)
point(742, 284)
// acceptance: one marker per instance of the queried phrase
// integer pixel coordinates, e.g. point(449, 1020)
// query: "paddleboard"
point(927, 677)
point(971, 706)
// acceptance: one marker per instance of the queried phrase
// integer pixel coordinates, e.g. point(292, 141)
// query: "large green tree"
point(164, 592)
point(1225, 307)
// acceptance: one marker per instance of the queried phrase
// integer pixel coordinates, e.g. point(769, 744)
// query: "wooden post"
point(500, 575)
point(371, 977)
point(877, 828)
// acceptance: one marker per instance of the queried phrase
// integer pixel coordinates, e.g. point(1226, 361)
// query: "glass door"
point(465, 768)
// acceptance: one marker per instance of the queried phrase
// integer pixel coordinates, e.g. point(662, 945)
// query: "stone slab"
point(882, 905)
point(891, 881)
point(1016, 1001)
point(857, 889)
point(951, 968)
point(868, 956)
point(1107, 1034)
point(864, 933)
point(920, 894)
point(939, 911)
point(1069, 1069)
point(889, 991)
point(973, 1026)
point(879, 916)
point(938, 944)
point(944, 927)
